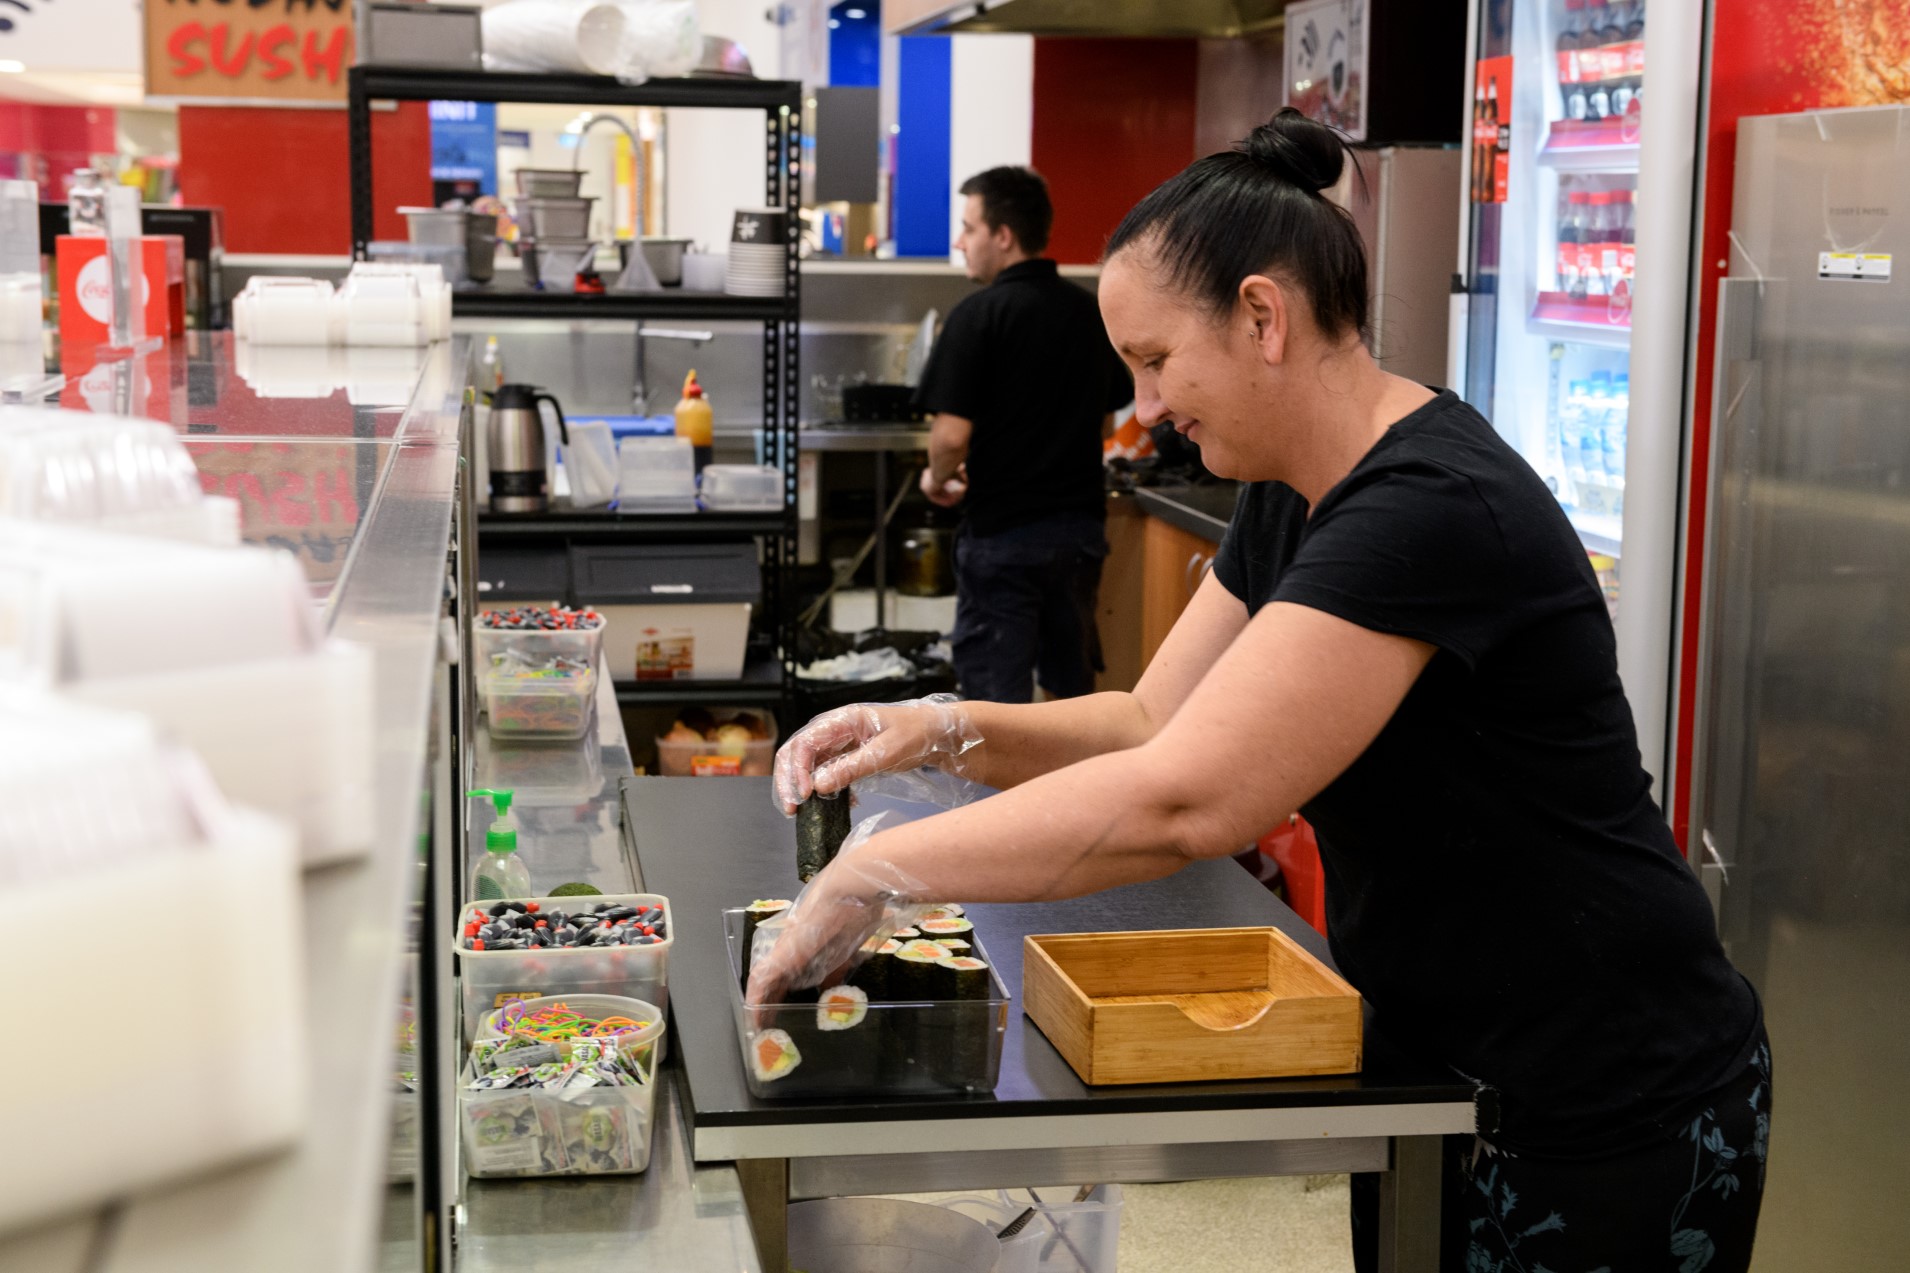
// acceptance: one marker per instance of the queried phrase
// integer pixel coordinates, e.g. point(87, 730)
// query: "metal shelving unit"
point(772, 682)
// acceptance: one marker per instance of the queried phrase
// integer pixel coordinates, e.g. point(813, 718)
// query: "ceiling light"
point(11, 67)
point(833, 24)
point(855, 15)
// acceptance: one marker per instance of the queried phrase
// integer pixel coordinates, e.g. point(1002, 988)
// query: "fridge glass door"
point(1551, 277)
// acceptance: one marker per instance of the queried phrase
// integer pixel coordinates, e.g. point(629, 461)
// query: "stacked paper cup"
point(759, 252)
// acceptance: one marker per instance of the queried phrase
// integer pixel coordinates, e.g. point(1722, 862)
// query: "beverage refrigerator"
point(1569, 306)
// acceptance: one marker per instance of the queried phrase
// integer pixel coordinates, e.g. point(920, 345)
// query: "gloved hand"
point(854, 742)
point(820, 937)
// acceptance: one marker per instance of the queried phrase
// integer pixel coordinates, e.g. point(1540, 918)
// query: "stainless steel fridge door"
point(1805, 727)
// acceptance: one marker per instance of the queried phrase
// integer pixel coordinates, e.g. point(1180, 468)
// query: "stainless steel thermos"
point(519, 481)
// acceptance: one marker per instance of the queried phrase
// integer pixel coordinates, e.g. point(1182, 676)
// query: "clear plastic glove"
point(863, 739)
point(820, 938)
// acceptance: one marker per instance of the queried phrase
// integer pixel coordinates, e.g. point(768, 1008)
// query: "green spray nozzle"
point(502, 837)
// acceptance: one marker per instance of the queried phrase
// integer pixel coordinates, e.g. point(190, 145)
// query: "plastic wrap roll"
point(662, 38)
point(580, 36)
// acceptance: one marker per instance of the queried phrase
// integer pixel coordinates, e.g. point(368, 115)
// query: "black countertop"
point(1199, 510)
point(709, 844)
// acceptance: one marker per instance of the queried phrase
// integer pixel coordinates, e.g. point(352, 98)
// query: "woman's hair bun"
point(1297, 149)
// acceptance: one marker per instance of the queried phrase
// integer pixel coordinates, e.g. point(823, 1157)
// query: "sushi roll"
point(962, 977)
point(912, 977)
point(772, 1055)
point(843, 1007)
point(872, 975)
point(906, 934)
point(947, 910)
point(954, 945)
point(954, 926)
point(822, 824)
point(755, 915)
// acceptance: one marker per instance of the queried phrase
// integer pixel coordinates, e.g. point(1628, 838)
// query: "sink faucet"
point(640, 392)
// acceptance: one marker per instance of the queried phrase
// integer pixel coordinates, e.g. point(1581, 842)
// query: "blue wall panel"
point(922, 147)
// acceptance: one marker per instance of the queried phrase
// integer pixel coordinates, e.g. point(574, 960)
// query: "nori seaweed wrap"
point(822, 824)
point(959, 1049)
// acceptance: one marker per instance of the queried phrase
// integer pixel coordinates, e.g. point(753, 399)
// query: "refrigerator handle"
point(1458, 325)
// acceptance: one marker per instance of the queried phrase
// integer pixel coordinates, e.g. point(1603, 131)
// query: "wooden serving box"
point(1190, 1005)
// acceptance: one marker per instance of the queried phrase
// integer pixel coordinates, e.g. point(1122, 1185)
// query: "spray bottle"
point(502, 873)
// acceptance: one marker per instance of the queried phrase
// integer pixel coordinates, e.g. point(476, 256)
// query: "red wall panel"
point(283, 176)
point(1768, 57)
point(1112, 120)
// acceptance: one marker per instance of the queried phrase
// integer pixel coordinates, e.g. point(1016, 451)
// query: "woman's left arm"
point(1294, 701)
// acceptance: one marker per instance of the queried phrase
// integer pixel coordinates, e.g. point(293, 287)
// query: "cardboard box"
point(86, 289)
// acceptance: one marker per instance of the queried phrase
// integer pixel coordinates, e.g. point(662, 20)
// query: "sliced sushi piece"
point(912, 976)
point(822, 824)
point(772, 1055)
point(962, 977)
point(947, 910)
point(951, 927)
point(755, 915)
point(842, 1007)
point(954, 945)
point(873, 973)
point(906, 934)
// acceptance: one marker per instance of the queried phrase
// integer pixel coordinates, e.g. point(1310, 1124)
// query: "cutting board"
point(1190, 1005)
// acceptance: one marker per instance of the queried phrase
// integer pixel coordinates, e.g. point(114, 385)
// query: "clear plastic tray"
point(553, 707)
point(489, 978)
point(595, 1131)
point(742, 488)
point(928, 1048)
point(706, 759)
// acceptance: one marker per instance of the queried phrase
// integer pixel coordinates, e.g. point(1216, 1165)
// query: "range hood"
point(1217, 18)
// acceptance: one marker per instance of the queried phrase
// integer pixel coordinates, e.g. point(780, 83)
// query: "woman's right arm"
point(1026, 740)
point(1006, 744)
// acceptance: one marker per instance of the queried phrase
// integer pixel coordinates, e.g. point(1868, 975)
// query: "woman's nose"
point(1148, 407)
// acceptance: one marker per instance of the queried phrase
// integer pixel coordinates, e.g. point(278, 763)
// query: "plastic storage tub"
point(930, 1048)
point(708, 759)
point(656, 475)
point(671, 612)
point(548, 183)
point(583, 644)
point(491, 978)
point(742, 488)
point(556, 708)
point(596, 1131)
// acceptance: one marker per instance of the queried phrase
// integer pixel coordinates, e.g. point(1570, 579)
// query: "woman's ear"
point(1263, 313)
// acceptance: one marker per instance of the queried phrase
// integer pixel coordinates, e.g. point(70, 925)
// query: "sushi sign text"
point(276, 50)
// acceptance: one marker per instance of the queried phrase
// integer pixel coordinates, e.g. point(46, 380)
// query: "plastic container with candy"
point(548, 699)
point(492, 978)
point(561, 1086)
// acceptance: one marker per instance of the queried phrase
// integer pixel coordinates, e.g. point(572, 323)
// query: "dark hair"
point(1257, 209)
point(1016, 198)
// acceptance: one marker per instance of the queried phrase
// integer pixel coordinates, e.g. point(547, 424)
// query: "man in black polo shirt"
point(1020, 386)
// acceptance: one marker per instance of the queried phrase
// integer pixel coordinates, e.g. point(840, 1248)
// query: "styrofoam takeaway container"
point(220, 1071)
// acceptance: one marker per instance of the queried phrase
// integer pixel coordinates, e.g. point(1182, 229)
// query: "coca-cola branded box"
point(86, 286)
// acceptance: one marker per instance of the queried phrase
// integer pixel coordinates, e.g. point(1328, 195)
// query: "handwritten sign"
point(272, 50)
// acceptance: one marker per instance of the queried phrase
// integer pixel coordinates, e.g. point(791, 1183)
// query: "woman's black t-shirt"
point(1500, 885)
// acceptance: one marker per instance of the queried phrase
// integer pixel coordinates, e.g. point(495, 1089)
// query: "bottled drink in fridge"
point(1591, 246)
point(1624, 208)
point(1572, 244)
point(1613, 442)
point(1571, 36)
point(1572, 431)
point(1591, 60)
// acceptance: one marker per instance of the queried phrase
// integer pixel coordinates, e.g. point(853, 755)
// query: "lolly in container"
point(491, 978)
point(547, 707)
point(944, 1047)
point(583, 644)
point(596, 1131)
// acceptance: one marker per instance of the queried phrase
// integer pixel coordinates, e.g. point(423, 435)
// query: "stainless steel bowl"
point(548, 183)
point(665, 256)
point(723, 57)
point(551, 217)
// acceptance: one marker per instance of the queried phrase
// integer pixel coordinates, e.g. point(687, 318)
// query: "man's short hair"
point(1018, 199)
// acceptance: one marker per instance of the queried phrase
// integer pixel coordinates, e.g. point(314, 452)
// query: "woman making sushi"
point(1403, 639)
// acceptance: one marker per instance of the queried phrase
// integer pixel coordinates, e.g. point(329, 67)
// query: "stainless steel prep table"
point(679, 1215)
point(709, 844)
